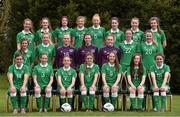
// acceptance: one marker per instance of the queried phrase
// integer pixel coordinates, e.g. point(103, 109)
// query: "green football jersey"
point(66, 76)
point(28, 57)
point(111, 73)
point(138, 36)
point(78, 35)
point(18, 74)
point(128, 50)
point(89, 75)
point(50, 50)
point(119, 36)
point(98, 36)
point(148, 52)
point(159, 73)
point(59, 34)
point(43, 73)
point(38, 36)
point(136, 79)
point(159, 39)
point(29, 36)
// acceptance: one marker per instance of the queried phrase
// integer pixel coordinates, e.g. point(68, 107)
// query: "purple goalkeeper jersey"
point(87, 49)
point(104, 52)
point(65, 51)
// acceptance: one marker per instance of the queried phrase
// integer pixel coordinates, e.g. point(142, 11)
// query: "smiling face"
point(114, 24)
point(45, 23)
point(134, 24)
point(159, 60)
point(153, 24)
point(67, 39)
point(89, 59)
point(112, 57)
point(87, 39)
point(24, 44)
point(137, 59)
point(27, 25)
point(45, 38)
point(80, 22)
point(64, 22)
point(149, 37)
point(44, 59)
point(19, 60)
point(96, 21)
point(66, 61)
point(110, 40)
point(128, 35)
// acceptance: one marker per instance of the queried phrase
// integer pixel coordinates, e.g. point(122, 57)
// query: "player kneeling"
point(43, 79)
point(66, 77)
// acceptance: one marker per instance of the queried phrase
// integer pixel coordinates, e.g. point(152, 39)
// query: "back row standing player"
point(45, 28)
point(60, 31)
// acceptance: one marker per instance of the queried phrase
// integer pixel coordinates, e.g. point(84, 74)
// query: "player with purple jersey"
point(86, 48)
point(65, 50)
point(104, 52)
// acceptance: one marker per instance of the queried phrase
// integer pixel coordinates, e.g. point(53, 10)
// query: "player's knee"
point(69, 92)
point(37, 90)
point(113, 89)
point(106, 90)
point(141, 90)
point(131, 90)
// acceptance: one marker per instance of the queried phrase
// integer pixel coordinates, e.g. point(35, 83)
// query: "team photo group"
point(89, 60)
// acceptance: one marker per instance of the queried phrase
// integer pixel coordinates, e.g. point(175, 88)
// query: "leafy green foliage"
point(167, 10)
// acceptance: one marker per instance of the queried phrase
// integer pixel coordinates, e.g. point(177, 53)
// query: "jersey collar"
point(82, 28)
point(128, 42)
point(160, 66)
point(66, 69)
point(26, 32)
point(45, 45)
point(18, 67)
point(26, 51)
point(152, 30)
point(96, 27)
point(148, 43)
point(134, 31)
point(111, 64)
point(116, 31)
point(45, 65)
point(64, 28)
point(90, 66)
point(45, 30)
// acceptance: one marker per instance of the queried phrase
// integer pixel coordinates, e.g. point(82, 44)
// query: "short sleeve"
point(10, 69)
point(128, 71)
point(35, 71)
point(103, 70)
point(74, 74)
point(81, 68)
point(163, 36)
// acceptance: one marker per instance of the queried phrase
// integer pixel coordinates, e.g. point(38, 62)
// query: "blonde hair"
point(81, 17)
point(158, 23)
point(50, 40)
point(96, 16)
point(153, 40)
point(49, 24)
point(32, 28)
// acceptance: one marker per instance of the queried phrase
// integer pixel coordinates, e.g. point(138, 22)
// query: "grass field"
point(3, 91)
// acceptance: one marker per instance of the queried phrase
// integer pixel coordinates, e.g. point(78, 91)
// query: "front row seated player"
point(43, 78)
point(66, 77)
point(160, 74)
point(18, 75)
point(136, 75)
point(89, 73)
point(111, 75)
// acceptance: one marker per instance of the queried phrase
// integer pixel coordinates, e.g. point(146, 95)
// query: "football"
point(108, 107)
point(66, 107)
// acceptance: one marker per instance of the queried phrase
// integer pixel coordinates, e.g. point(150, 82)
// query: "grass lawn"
point(3, 91)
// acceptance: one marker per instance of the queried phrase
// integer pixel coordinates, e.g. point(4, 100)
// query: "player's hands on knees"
point(23, 89)
point(139, 87)
point(162, 89)
point(83, 88)
point(93, 88)
point(69, 89)
point(63, 89)
point(156, 89)
point(13, 89)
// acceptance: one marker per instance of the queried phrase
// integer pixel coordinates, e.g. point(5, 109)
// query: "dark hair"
point(49, 24)
point(65, 18)
point(158, 23)
point(25, 39)
point(85, 63)
point(44, 53)
point(132, 65)
point(83, 44)
point(116, 61)
point(19, 54)
point(160, 54)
